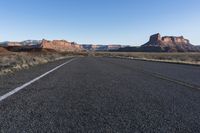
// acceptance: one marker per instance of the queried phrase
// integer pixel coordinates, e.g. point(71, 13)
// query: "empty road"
point(96, 94)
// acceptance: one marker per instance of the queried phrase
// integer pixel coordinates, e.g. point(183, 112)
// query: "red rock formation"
point(170, 43)
point(60, 45)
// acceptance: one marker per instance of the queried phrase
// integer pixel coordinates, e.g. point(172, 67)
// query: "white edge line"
point(30, 82)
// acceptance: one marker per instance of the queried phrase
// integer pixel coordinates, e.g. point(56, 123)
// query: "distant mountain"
point(23, 43)
point(56, 45)
point(170, 43)
point(21, 46)
point(94, 47)
point(157, 43)
point(31, 42)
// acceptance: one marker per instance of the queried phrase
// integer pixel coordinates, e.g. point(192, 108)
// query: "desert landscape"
point(99, 66)
point(22, 55)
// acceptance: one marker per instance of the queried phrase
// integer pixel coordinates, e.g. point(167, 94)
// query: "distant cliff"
point(170, 44)
point(56, 45)
point(22, 46)
point(157, 43)
point(61, 46)
point(94, 47)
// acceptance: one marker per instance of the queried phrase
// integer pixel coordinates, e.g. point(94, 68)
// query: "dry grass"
point(15, 61)
point(183, 58)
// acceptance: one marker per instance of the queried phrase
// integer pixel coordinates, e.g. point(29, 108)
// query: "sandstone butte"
point(170, 43)
point(61, 45)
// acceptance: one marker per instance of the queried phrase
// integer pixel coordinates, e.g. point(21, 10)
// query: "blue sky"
point(128, 22)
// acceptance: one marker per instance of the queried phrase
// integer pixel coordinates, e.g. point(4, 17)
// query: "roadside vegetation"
point(15, 61)
point(182, 58)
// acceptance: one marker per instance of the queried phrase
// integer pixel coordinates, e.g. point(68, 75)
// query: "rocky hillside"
point(170, 44)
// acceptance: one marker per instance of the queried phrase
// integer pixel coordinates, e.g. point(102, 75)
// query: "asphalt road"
point(103, 95)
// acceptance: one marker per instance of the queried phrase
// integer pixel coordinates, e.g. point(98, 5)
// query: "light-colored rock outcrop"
point(61, 45)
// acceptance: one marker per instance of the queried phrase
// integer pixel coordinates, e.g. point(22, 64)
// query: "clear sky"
point(128, 22)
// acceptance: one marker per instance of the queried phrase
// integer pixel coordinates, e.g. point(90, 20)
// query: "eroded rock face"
point(155, 39)
point(60, 45)
point(56, 45)
point(170, 43)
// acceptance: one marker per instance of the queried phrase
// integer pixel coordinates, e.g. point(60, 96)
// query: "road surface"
point(95, 94)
